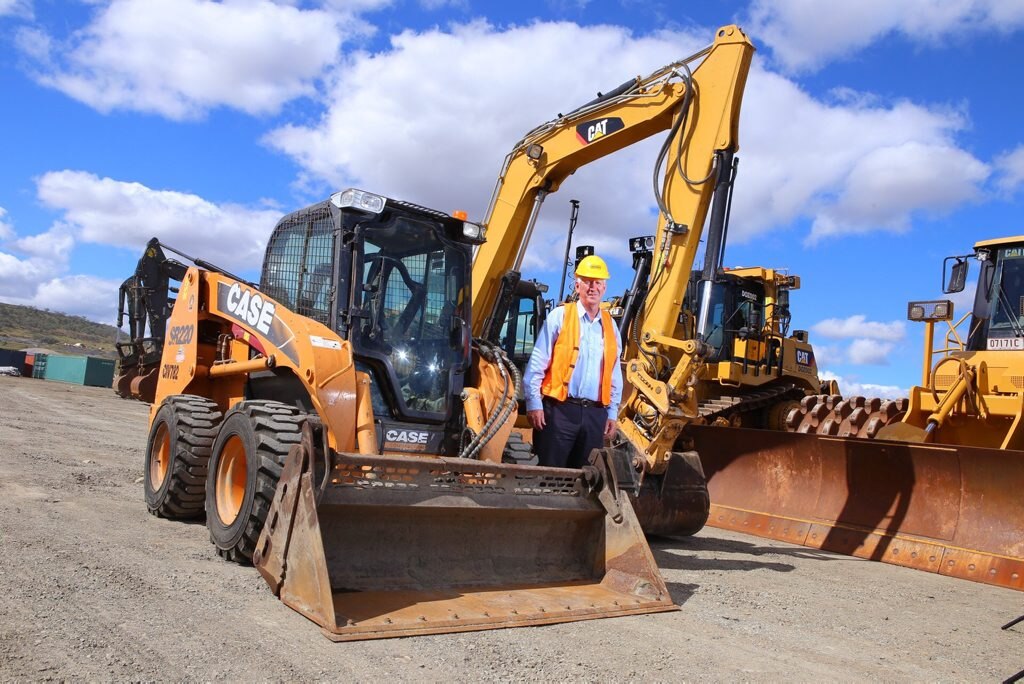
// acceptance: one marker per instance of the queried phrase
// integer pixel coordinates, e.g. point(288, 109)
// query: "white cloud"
point(439, 138)
point(869, 352)
point(887, 185)
point(859, 327)
point(803, 36)
point(1011, 170)
point(851, 387)
point(79, 295)
point(851, 165)
point(6, 229)
point(180, 58)
point(826, 354)
point(122, 214)
point(21, 9)
point(45, 257)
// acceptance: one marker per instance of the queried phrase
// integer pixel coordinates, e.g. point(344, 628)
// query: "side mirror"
point(460, 335)
point(957, 275)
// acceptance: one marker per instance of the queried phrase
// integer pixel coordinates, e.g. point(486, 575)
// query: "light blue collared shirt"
point(585, 382)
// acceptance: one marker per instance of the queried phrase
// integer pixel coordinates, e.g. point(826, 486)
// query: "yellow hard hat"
point(593, 267)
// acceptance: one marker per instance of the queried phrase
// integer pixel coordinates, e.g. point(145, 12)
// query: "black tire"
point(244, 470)
point(177, 454)
point(517, 451)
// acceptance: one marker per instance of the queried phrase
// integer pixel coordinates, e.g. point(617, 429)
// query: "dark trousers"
point(570, 433)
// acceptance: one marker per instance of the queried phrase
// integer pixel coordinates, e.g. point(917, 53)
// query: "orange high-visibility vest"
point(567, 351)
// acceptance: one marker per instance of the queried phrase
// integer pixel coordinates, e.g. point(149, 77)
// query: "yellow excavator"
point(699, 107)
point(341, 423)
point(938, 490)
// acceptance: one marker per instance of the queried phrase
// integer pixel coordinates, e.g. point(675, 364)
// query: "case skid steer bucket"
point(386, 546)
point(952, 510)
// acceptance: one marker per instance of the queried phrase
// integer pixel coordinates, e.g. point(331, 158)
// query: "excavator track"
point(823, 414)
point(724, 409)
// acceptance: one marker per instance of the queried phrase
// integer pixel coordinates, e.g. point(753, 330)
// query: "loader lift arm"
point(145, 298)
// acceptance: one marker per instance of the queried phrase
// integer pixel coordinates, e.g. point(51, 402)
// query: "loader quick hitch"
point(609, 473)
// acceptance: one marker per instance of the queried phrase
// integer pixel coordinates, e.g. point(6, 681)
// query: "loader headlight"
point(940, 310)
point(473, 231)
point(358, 199)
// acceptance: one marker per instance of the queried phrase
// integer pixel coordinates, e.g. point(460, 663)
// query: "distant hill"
point(23, 327)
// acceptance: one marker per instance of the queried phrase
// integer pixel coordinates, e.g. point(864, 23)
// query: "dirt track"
point(97, 589)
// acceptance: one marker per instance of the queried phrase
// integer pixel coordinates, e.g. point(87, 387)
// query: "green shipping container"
point(80, 370)
point(39, 365)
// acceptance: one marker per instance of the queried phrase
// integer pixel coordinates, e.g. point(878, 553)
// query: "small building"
point(79, 370)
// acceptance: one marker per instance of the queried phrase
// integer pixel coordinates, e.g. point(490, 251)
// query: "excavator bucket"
point(372, 547)
point(946, 509)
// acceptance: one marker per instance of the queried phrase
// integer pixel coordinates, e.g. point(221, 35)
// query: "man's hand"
point(536, 418)
point(609, 428)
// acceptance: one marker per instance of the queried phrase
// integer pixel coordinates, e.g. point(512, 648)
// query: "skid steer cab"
point(340, 429)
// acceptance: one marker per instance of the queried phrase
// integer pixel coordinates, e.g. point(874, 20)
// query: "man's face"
point(590, 290)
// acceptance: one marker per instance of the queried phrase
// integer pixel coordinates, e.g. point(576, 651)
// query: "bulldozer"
point(755, 372)
point(937, 489)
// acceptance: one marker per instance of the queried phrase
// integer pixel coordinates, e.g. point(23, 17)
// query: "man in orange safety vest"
point(573, 383)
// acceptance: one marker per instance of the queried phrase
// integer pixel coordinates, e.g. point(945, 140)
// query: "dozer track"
point(727, 406)
point(823, 414)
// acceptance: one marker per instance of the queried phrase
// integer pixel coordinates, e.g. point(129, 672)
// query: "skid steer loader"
point(938, 490)
point(343, 431)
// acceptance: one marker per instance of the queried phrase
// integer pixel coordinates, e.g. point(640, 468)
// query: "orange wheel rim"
point(232, 471)
point(159, 457)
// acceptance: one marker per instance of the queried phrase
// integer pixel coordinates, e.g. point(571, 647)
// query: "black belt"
point(585, 403)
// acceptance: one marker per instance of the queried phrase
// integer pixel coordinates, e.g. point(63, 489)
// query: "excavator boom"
point(697, 101)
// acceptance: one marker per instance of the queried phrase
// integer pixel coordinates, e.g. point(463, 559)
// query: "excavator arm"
point(700, 107)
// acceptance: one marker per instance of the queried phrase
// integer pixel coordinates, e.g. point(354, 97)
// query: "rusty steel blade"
point(952, 510)
point(386, 546)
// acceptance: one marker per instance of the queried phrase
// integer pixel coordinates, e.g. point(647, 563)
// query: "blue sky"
point(876, 137)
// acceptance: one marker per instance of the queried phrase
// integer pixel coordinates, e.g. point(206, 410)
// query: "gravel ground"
point(97, 589)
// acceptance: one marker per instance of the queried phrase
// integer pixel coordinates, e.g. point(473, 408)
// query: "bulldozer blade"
point(950, 510)
point(373, 547)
